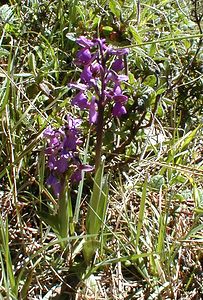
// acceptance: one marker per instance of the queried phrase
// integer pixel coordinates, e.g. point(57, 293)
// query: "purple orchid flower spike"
point(62, 152)
point(100, 80)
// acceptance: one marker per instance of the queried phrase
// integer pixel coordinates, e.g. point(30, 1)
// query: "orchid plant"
point(98, 89)
point(99, 92)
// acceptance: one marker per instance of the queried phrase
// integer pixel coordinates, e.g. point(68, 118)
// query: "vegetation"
point(131, 228)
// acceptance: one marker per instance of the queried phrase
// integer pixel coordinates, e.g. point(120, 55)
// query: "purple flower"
point(86, 74)
point(117, 90)
point(52, 135)
point(61, 164)
point(117, 65)
point(119, 52)
point(113, 76)
point(93, 114)
point(55, 184)
point(117, 95)
point(101, 43)
point(98, 75)
point(49, 132)
point(77, 175)
point(84, 42)
point(80, 100)
point(54, 142)
point(95, 69)
point(122, 77)
point(72, 122)
point(83, 57)
point(52, 162)
point(62, 153)
point(120, 98)
point(119, 110)
point(71, 141)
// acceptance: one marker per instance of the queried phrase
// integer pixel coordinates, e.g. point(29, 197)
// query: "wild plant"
point(100, 94)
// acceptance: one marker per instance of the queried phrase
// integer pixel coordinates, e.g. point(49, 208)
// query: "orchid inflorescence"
point(99, 87)
point(100, 75)
point(63, 157)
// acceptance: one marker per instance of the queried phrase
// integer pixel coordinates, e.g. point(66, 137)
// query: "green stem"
point(180, 38)
point(99, 134)
point(63, 212)
point(100, 120)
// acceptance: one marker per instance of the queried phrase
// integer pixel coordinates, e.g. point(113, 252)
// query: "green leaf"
point(96, 212)
point(64, 212)
point(32, 63)
point(115, 8)
point(26, 286)
point(152, 50)
point(107, 29)
point(141, 212)
point(160, 111)
point(135, 35)
point(162, 233)
point(151, 80)
point(5, 249)
point(89, 248)
point(97, 203)
point(188, 138)
point(51, 220)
